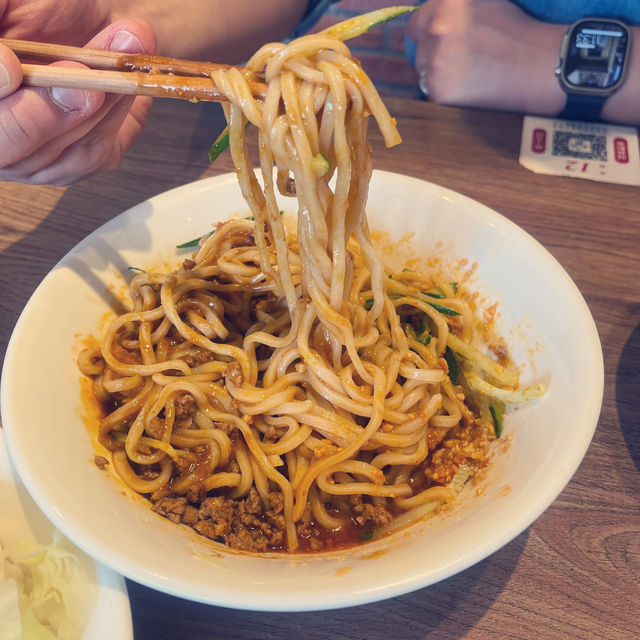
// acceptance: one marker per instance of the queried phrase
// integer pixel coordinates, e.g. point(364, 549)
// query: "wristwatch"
point(592, 65)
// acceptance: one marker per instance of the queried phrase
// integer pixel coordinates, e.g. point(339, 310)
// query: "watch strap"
point(583, 107)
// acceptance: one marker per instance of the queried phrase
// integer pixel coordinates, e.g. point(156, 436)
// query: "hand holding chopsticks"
point(63, 134)
point(123, 73)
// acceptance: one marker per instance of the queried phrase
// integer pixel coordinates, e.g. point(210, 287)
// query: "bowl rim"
point(301, 602)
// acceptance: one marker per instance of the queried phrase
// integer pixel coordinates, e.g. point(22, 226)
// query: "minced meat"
point(462, 446)
point(234, 374)
point(186, 406)
point(365, 512)
point(242, 524)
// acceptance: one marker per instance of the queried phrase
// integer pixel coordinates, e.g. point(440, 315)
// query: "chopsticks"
point(124, 73)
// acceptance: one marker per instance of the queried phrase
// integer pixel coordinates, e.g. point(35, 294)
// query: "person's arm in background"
point(214, 30)
point(58, 136)
point(491, 54)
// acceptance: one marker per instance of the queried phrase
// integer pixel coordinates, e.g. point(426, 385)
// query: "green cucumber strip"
point(497, 414)
point(409, 331)
point(438, 307)
point(424, 338)
point(452, 363)
point(221, 143)
point(442, 309)
point(358, 25)
point(195, 242)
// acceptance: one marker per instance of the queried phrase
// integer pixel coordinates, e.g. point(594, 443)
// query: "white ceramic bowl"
point(542, 314)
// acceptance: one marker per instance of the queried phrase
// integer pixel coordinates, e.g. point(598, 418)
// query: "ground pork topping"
point(186, 406)
point(243, 524)
point(462, 446)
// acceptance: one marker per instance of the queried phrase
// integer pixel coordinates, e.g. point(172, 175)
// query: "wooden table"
point(575, 573)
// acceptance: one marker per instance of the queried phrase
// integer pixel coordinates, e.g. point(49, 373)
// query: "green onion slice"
point(320, 165)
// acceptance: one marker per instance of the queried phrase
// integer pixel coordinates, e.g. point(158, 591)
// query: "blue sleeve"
point(315, 11)
point(569, 11)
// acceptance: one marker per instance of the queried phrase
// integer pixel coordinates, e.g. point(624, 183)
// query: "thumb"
point(128, 36)
point(10, 71)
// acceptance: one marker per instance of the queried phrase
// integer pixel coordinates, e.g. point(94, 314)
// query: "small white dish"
point(22, 523)
point(545, 320)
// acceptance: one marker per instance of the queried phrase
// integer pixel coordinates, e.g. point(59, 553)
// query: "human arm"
point(58, 136)
point(216, 30)
point(491, 54)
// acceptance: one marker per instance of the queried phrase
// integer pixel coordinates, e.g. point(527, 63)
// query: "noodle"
point(285, 392)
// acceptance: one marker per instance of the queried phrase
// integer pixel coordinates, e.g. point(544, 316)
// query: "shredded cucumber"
point(220, 144)
point(358, 25)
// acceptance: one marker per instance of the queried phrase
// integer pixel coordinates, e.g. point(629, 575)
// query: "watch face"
point(595, 54)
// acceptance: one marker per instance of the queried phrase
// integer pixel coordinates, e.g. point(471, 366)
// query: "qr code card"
point(593, 151)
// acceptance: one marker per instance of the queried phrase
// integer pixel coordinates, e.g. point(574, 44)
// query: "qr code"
point(590, 146)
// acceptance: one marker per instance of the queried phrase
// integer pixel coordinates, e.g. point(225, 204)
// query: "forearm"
point(537, 90)
point(215, 30)
point(624, 105)
point(490, 54)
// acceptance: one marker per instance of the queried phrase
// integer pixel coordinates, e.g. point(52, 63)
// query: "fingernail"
point(4, 76)
point(126, 42)
point(69, 99)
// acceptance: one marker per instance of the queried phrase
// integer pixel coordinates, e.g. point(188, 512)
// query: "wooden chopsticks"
point(125, 73)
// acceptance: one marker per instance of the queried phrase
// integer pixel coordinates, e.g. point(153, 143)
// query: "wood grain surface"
point(575, 573)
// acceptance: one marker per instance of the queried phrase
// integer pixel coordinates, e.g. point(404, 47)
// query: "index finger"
point(10, 72)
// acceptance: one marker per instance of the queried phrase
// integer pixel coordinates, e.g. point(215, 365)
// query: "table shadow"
point(628, 394)
point(25, 263)
point(448, 609)
point(481, 124)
